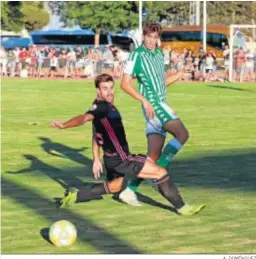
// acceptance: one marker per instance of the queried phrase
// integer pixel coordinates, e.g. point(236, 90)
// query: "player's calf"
point(89, 193)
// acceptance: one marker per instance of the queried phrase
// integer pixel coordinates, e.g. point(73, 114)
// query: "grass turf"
point(217, 167)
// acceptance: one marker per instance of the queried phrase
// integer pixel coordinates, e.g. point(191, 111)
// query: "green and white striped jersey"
point(148, 67)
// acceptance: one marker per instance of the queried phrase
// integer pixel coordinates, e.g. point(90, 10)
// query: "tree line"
point(114, 16)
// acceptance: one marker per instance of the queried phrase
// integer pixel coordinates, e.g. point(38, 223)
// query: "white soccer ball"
point(62, 233)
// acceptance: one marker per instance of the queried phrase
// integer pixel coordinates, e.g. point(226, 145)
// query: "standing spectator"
point(89, 65)
point(17, 67)
point(196, 63)
point(226, 54)
point(107, 58)
point(46, 52)
point(63, 60)
point(166, 52)
point(202, 57)
point(189, 59)
point(97, 56)
point(254, 61)
point(10, 63)
point(23, 59)
point(40, 60)
point(215, 60)
point(57, 52)
point(239, 64)
point(174, 60)
point(183, 56)
point(209, 66)
point(79, 61)
point(53, 66)
point(116, 62)
point(122, 57)
point(3, 61)
point(71, 62)
point(33, 61)
point(249, 66)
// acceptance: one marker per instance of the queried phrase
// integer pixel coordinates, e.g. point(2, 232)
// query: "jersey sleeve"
point(98, 110)
point(133, 64)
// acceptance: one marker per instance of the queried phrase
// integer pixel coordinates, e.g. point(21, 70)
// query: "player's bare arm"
point(126, 85)
point(74, 122)
point(97, 167)
point(174, 77)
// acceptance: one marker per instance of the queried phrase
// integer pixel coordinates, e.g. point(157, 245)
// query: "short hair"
point(102, 79)
point(151, 26)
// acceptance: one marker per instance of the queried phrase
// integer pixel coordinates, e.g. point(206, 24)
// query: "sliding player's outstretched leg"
point(73, 195)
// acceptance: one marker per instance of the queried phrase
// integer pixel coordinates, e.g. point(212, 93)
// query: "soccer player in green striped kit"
point(146, 64)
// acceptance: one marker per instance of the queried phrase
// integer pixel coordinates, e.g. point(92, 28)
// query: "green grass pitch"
point(217, 167)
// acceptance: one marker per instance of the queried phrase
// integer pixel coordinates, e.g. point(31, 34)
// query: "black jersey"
point(109, 130)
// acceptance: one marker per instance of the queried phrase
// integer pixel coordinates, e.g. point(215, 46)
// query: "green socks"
point(134, 184)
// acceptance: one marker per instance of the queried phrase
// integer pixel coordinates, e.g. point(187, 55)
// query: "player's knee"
point(161, 173)
point(183, 136)
point(153, 156)
point(115, 185)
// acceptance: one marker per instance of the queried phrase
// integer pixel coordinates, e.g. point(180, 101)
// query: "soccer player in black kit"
point(120, 164)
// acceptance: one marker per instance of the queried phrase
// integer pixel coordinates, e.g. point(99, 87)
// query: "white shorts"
point(163, 114)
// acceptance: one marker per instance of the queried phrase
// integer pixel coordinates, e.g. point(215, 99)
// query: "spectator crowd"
point(44, 61)
point(207, 67)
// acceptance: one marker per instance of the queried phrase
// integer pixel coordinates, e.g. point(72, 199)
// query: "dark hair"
point(102, 79)
point(151, 26)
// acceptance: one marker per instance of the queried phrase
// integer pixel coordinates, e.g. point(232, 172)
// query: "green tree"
point(17, 15)
point(175, 12)
point(11, 17)
point(219, 12)
point(226, 13)
point(34, 16)
point(100, 16)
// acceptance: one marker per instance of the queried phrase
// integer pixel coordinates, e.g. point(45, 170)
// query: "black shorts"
point(129, 168)
point(53, 69)
point(208, 70)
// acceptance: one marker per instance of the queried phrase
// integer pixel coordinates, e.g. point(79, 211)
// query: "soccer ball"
point(62, 233)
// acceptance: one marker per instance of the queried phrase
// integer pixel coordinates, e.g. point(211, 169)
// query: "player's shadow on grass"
point(145, 199)
point(88, 232)
point(64, 178)
point(231, 169)
point(64, 151)
point(230, 88)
